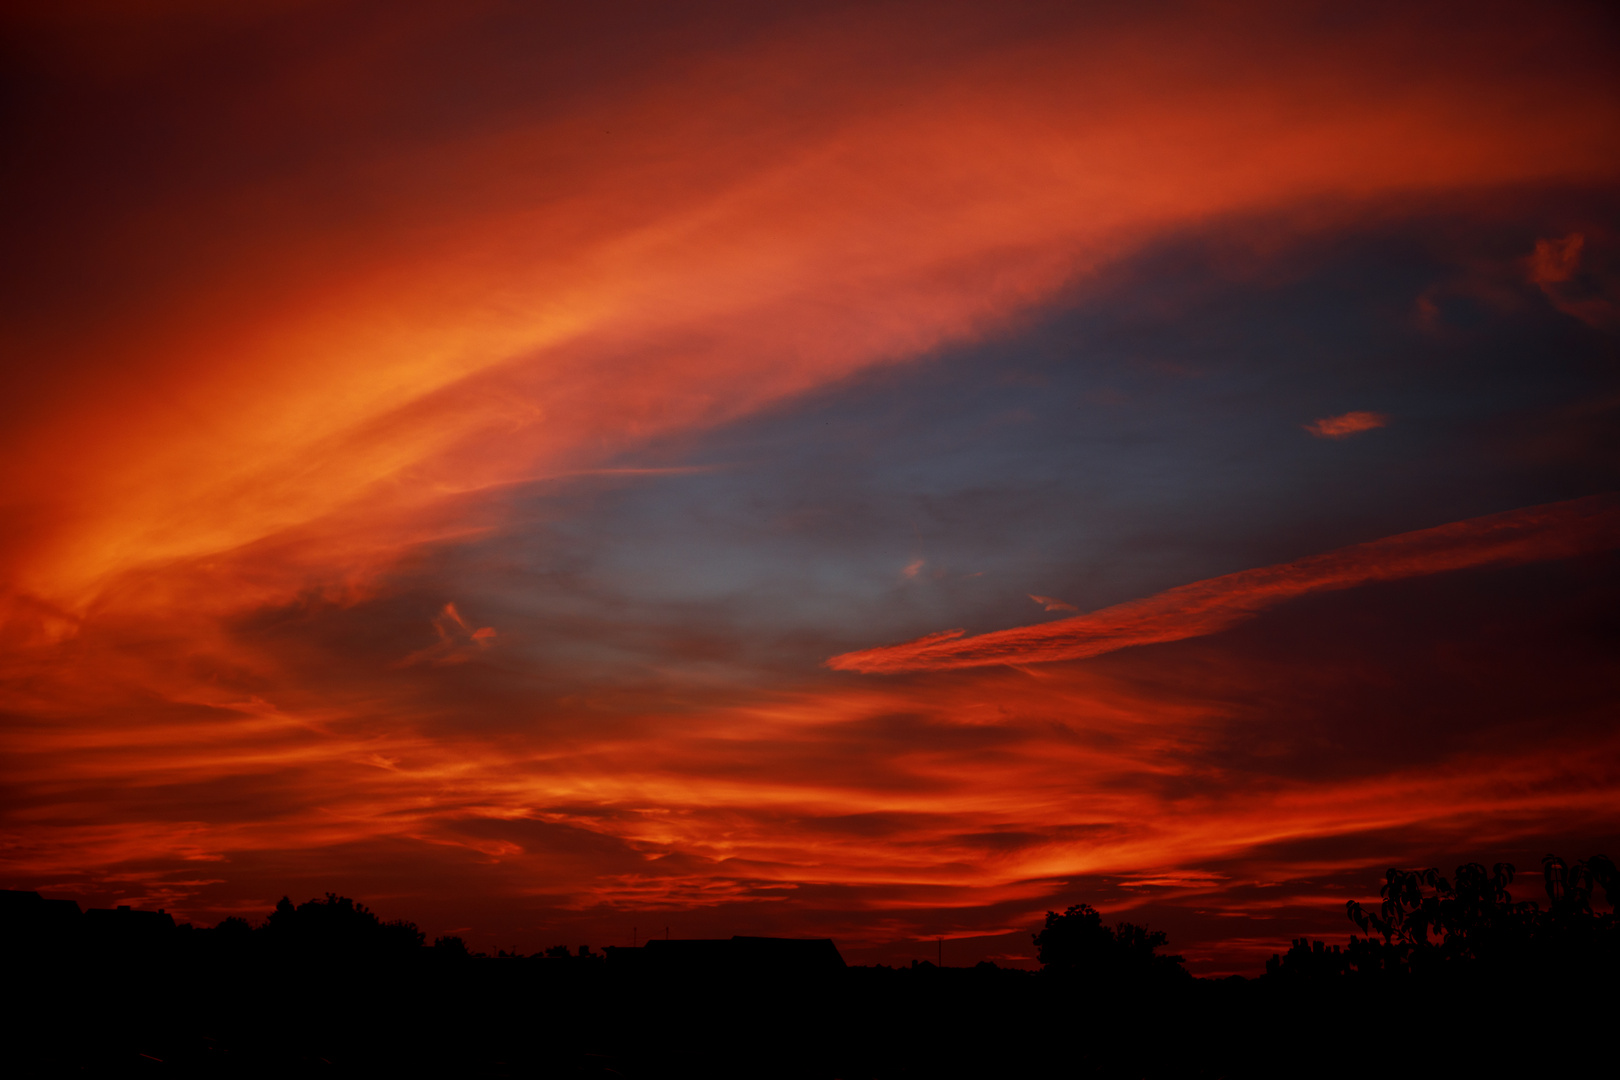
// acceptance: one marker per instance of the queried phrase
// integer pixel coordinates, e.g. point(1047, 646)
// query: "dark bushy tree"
point(451, 946)
point(338, 926)
point(1077, 944)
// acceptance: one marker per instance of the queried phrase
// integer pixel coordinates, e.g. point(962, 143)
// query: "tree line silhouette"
point(1444, 968)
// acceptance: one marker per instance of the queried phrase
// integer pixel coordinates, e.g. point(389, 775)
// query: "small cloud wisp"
point(457, 643)
point(1350, 423)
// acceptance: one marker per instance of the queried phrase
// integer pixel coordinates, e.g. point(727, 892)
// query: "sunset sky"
point(868, 470)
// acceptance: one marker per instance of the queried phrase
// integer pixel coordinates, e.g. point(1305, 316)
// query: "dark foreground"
point(1454, 977)
point(193, 1016)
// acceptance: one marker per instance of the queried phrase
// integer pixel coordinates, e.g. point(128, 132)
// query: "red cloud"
point(1556, 266)
point(1554, 531)
point(1337, 427)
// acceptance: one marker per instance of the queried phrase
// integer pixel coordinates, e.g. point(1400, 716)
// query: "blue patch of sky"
point(1137, 436)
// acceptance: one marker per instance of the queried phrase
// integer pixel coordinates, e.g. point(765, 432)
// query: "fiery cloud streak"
point(1556, 531)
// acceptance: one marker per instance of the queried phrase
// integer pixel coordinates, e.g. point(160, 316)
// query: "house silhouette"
point(28, 920)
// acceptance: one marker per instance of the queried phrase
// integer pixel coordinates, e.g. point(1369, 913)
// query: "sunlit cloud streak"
point(1555, 531)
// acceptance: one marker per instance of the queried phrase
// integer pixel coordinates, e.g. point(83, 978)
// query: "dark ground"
point(111, 1015)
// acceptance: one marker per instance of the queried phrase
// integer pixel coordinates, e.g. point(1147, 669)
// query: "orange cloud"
point(1337, 427)
point(1558, 530)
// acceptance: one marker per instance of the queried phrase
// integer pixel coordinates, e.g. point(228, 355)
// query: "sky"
point(565, 474)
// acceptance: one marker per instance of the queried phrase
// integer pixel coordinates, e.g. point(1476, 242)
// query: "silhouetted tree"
point(1428, 922)
point(338, 926)
point(1309, 961)
point(451, 946)
point(1077, 943)
point(233, 926)
point(1471, 916)
point(1571, 934)
point(1569, 888)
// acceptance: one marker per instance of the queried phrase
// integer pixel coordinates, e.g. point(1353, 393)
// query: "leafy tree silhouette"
point(1472, 915)
point(1078, 944)
point(1569, 888)
point(1571, 934)
point(1428, 922)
